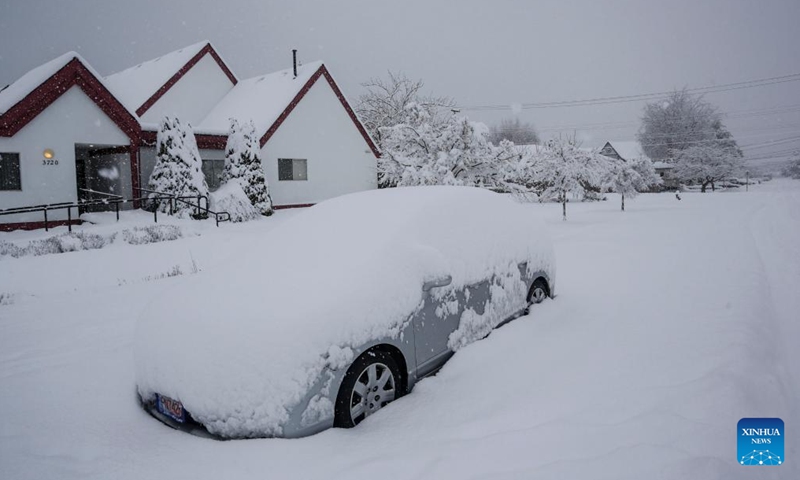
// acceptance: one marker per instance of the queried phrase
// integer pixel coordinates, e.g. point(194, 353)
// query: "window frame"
point(19, 172)
point(218, 180)
point(295, 169)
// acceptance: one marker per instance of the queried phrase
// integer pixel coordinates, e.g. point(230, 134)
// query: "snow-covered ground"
point(673, 320)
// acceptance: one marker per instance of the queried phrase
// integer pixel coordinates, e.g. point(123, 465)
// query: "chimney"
point(294, 61)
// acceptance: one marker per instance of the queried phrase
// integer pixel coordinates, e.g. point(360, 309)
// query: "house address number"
point(50, 162)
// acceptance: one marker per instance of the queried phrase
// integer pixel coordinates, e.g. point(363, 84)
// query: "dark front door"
point(97, 172)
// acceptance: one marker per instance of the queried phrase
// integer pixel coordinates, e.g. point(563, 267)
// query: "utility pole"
point(746, 181)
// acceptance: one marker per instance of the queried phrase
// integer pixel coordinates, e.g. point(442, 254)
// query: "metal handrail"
point(218, 216)
point(95, 192)
point(116, 200)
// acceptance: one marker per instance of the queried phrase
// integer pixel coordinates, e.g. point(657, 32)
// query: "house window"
point(212, 170)
point(9, 172)
point(292, 169)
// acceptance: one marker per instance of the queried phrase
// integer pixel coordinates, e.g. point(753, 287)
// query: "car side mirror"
point(438, 282)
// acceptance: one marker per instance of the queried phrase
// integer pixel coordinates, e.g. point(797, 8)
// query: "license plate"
point(171, 408)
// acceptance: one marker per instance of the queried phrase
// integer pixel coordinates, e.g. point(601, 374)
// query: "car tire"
point(538, 293)
point(371, 382)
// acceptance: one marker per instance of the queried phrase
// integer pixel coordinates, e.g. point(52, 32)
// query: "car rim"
point(538, 295)
point(374, 388)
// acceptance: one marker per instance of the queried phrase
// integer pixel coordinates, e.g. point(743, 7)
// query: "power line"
point(733, 115)
point(771, 143)
point(641, 97)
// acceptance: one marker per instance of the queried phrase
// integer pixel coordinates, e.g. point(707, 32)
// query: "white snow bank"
point(242, 344)
point(231, 198)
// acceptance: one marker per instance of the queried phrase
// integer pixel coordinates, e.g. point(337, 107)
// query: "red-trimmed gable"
point(74, 73)
point(322, 71)
point(207, 50)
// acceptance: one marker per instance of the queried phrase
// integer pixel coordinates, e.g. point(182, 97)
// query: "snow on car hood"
point(241, 345)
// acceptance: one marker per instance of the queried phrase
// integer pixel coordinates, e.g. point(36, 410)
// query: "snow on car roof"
point(345, 272)
point(261, 99)
point(133, 86)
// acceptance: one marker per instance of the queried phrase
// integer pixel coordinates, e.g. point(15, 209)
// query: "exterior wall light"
point(48, 153)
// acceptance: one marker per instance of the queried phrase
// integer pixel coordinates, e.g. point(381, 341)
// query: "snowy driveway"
point(673, 320)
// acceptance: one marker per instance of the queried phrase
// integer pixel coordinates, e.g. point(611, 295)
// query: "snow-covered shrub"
point(66, 242)
point(178, 170)
point(8, 249)
point(151, 234)
point(792, 169)
point(230, 197)
point(243, 164)
point(6, 298)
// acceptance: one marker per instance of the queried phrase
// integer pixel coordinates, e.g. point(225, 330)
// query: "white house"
point(65, 130)
point(630, 150)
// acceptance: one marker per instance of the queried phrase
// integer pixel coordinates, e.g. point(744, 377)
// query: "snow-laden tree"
point(792, 169)
point(706, 164)
point(630, 177)
point(681, 121)
point(178, 170)
point(451, 152)
point(385, 103)
point(514, 130)
point(243, 165)
point(565, 169)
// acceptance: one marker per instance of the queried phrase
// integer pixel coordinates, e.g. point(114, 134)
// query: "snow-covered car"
point(339, 311)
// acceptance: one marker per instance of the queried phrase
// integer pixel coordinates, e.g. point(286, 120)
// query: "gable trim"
point(321, 72)
point(74, 73)
point(208, 49)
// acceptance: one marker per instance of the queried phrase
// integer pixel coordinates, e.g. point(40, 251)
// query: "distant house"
point(64, 129)
point(631, 150)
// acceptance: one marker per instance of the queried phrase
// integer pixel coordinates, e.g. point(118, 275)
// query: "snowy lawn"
point(673, 320)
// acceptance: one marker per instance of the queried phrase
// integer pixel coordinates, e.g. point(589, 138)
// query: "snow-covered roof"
point(31, 81)
point(628, 150)
point(261, 99)
point(662, 165)
point(135, 85)
point(27, 83)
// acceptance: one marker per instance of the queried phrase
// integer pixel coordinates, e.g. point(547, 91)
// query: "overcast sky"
point(478, 52)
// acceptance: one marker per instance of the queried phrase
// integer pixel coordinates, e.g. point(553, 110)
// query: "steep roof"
point(269, 99)
point(628, 150)
point(261, 99)
point(141, 86)
point(32, 93)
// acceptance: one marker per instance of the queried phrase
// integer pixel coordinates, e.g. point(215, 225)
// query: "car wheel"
point(371, 382)
point(537, 293)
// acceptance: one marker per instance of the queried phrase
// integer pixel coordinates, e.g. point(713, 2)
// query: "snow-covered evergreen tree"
point(630, 177)
point(566, 169)
point(243, 165)
point(178, 170)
